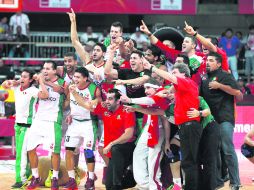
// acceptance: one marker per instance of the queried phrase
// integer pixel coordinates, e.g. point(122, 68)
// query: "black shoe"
point(17, 185)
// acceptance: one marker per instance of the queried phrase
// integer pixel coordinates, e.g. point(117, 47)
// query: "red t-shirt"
point(105, 87)
point(186, 97)
point(224, 64)
point(115, 123)
point(125, 65)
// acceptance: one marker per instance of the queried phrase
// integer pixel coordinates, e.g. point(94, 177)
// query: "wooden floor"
point(246, 173)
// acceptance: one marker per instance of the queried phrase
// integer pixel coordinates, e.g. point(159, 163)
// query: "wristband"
point(195, 34)
point(200, 113)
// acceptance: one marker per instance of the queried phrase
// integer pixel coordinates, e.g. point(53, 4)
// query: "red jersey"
point(125, 65)
point(105, 87)
point(115, 123)
point(186, 97)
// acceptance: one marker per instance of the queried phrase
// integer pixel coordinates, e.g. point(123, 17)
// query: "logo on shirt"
point(215, 79)
point(118, 117)
point(106, 113)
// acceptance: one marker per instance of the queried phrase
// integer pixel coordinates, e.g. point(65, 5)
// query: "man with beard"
point(118, 134)
point(137, 73)
point(219, 89)
point(46, 127)
point(188, 47)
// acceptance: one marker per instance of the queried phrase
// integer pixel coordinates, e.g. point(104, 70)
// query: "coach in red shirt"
point(118, 134)
point(186, 97)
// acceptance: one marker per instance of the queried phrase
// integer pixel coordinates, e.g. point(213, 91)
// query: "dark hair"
point(183, 68)
point(140, 53)
point(186, 59)
point(134, 41)
point(30, 72)
point(83, 71)
point(193, 39)
point(214, 40)
point(155, 50)
point(54, 65)
point(229, 30)
point(217, 56)
point(103, 48)
point(71, 54)
point(118, 24)
point(116, 92)
point(251, 27)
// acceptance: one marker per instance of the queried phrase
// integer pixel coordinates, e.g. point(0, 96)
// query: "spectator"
point(231, 45)
point(19, 49)
point(19, 19)
point(89, 35)
point(249, 54)
point(4, 27)
point(139, 38)
point(105, 34)
point(244, 89)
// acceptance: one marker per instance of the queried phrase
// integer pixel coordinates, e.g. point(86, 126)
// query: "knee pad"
point(89, 155)
point(176, 153)
point(247, 150)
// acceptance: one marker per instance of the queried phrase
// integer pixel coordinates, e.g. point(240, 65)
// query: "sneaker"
point(48, 180)
point(71, 184)
point(90, 183)
point(17, 185)
point(104, 175)
point(54, 184)
point(77, 176)
point(174, 187)
point(35, 182)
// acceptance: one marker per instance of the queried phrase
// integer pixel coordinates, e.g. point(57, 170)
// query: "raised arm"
point(205, 42)
point(108, 69)
point(7, 84)
point(84, 56)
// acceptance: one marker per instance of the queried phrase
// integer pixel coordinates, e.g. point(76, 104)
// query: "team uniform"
point(148, 153)
point(46, 127)
point(83, 126)
point(25, 101)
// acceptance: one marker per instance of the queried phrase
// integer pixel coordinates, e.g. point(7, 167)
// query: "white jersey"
point(51, 109)
point(77, 111)
point(25, 101)
point(98, 70)
point(66, 77)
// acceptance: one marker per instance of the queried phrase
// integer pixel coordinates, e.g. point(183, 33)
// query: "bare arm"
point(108, 69)
point(137, 81)
point(164, 74)
point(10, 83)
point(75, 40)
point(148, 111)
point(207, 43)
point(43, 94)
point(144, 29)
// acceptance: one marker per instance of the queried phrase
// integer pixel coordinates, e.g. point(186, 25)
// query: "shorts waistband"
point(24, 125)
point(82, 120)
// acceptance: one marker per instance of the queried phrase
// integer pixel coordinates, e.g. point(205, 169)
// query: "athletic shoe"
point(90, 183)
point(54, 184)
point(35, 182)
point(48, 180)
point(71, 184)
point(174, 187)
point(77, 175)
point(17, 185)
point(104, 175)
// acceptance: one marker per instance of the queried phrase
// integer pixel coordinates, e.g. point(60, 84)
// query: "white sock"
point(71, 174)
point(55, 174)
point(177, 181)
point(35, 172)
point(91, 175)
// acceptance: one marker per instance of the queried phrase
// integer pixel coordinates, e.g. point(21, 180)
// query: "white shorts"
point(78, 131)
point(48, 133)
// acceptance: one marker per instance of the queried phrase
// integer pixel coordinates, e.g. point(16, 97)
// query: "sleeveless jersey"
point(25, 101)
point(51, 109)
point(66, 77)
point(97, 69)
point(88, 94)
